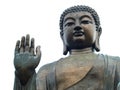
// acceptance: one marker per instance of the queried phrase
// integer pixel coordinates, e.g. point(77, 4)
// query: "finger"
point(22, 46)
point(27, 43)
point(38, 55)
point(32, 46)
point(17, 47)
point(38, 52)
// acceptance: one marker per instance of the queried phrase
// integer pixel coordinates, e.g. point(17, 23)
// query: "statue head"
point(80, 28)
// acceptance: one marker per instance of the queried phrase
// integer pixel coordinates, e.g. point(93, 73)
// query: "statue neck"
point(81, 51)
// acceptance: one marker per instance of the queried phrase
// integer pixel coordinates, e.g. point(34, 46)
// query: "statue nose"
point(77, 28)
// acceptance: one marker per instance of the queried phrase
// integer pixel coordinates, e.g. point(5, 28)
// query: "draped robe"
point(87, 71)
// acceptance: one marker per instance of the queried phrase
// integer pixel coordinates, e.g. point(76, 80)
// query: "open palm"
point(25, 59)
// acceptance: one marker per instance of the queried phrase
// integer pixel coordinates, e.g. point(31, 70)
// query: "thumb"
point(38, 51)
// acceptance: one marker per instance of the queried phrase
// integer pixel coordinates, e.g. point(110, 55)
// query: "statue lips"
point(78, 33)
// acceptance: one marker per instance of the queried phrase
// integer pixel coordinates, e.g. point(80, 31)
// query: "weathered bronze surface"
point(81, 70)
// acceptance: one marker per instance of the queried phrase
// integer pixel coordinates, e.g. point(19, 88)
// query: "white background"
point(40, 19)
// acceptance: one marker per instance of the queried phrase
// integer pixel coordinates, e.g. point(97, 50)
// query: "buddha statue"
point(82, 69)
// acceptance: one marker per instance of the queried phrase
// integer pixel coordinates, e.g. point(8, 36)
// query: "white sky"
point(40, 19)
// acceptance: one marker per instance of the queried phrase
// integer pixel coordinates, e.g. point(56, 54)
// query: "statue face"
point(79, 30)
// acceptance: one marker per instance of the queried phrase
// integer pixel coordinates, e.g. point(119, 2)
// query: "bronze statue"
point(83, 69)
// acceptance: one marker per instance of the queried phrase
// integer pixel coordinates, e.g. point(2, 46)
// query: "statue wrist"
point(24, 77)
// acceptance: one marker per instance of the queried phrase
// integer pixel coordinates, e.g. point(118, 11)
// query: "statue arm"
point(25, 62)
point(117, 73)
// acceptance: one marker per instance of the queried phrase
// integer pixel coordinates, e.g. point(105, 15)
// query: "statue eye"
point(69, 24)
point(86, 22)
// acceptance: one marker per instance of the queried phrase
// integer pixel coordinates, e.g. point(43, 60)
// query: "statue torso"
point(94, 79)
point(82, 72)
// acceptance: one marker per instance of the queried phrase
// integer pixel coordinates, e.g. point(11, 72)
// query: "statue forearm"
point(21, 83)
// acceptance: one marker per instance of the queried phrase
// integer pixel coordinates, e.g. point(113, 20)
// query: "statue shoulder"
point(115, 59)
point(45, 69)
point(110, 57)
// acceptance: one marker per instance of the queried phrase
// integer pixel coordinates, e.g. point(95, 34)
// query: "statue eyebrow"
point(69, 18)
point(85, 16)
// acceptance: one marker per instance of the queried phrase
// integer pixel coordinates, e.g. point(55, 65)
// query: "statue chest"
point(79, 74)
point(94, 80)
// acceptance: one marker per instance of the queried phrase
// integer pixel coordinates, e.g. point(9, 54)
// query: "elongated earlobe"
point(65, 49)
point(96, 45)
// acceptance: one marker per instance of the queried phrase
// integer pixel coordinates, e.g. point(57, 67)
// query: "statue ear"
point(96, 45)
point(65, 49)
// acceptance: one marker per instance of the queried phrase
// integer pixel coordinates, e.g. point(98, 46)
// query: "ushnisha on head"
point(81, 8)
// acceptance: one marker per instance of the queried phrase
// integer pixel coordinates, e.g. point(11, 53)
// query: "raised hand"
point(26, 59)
